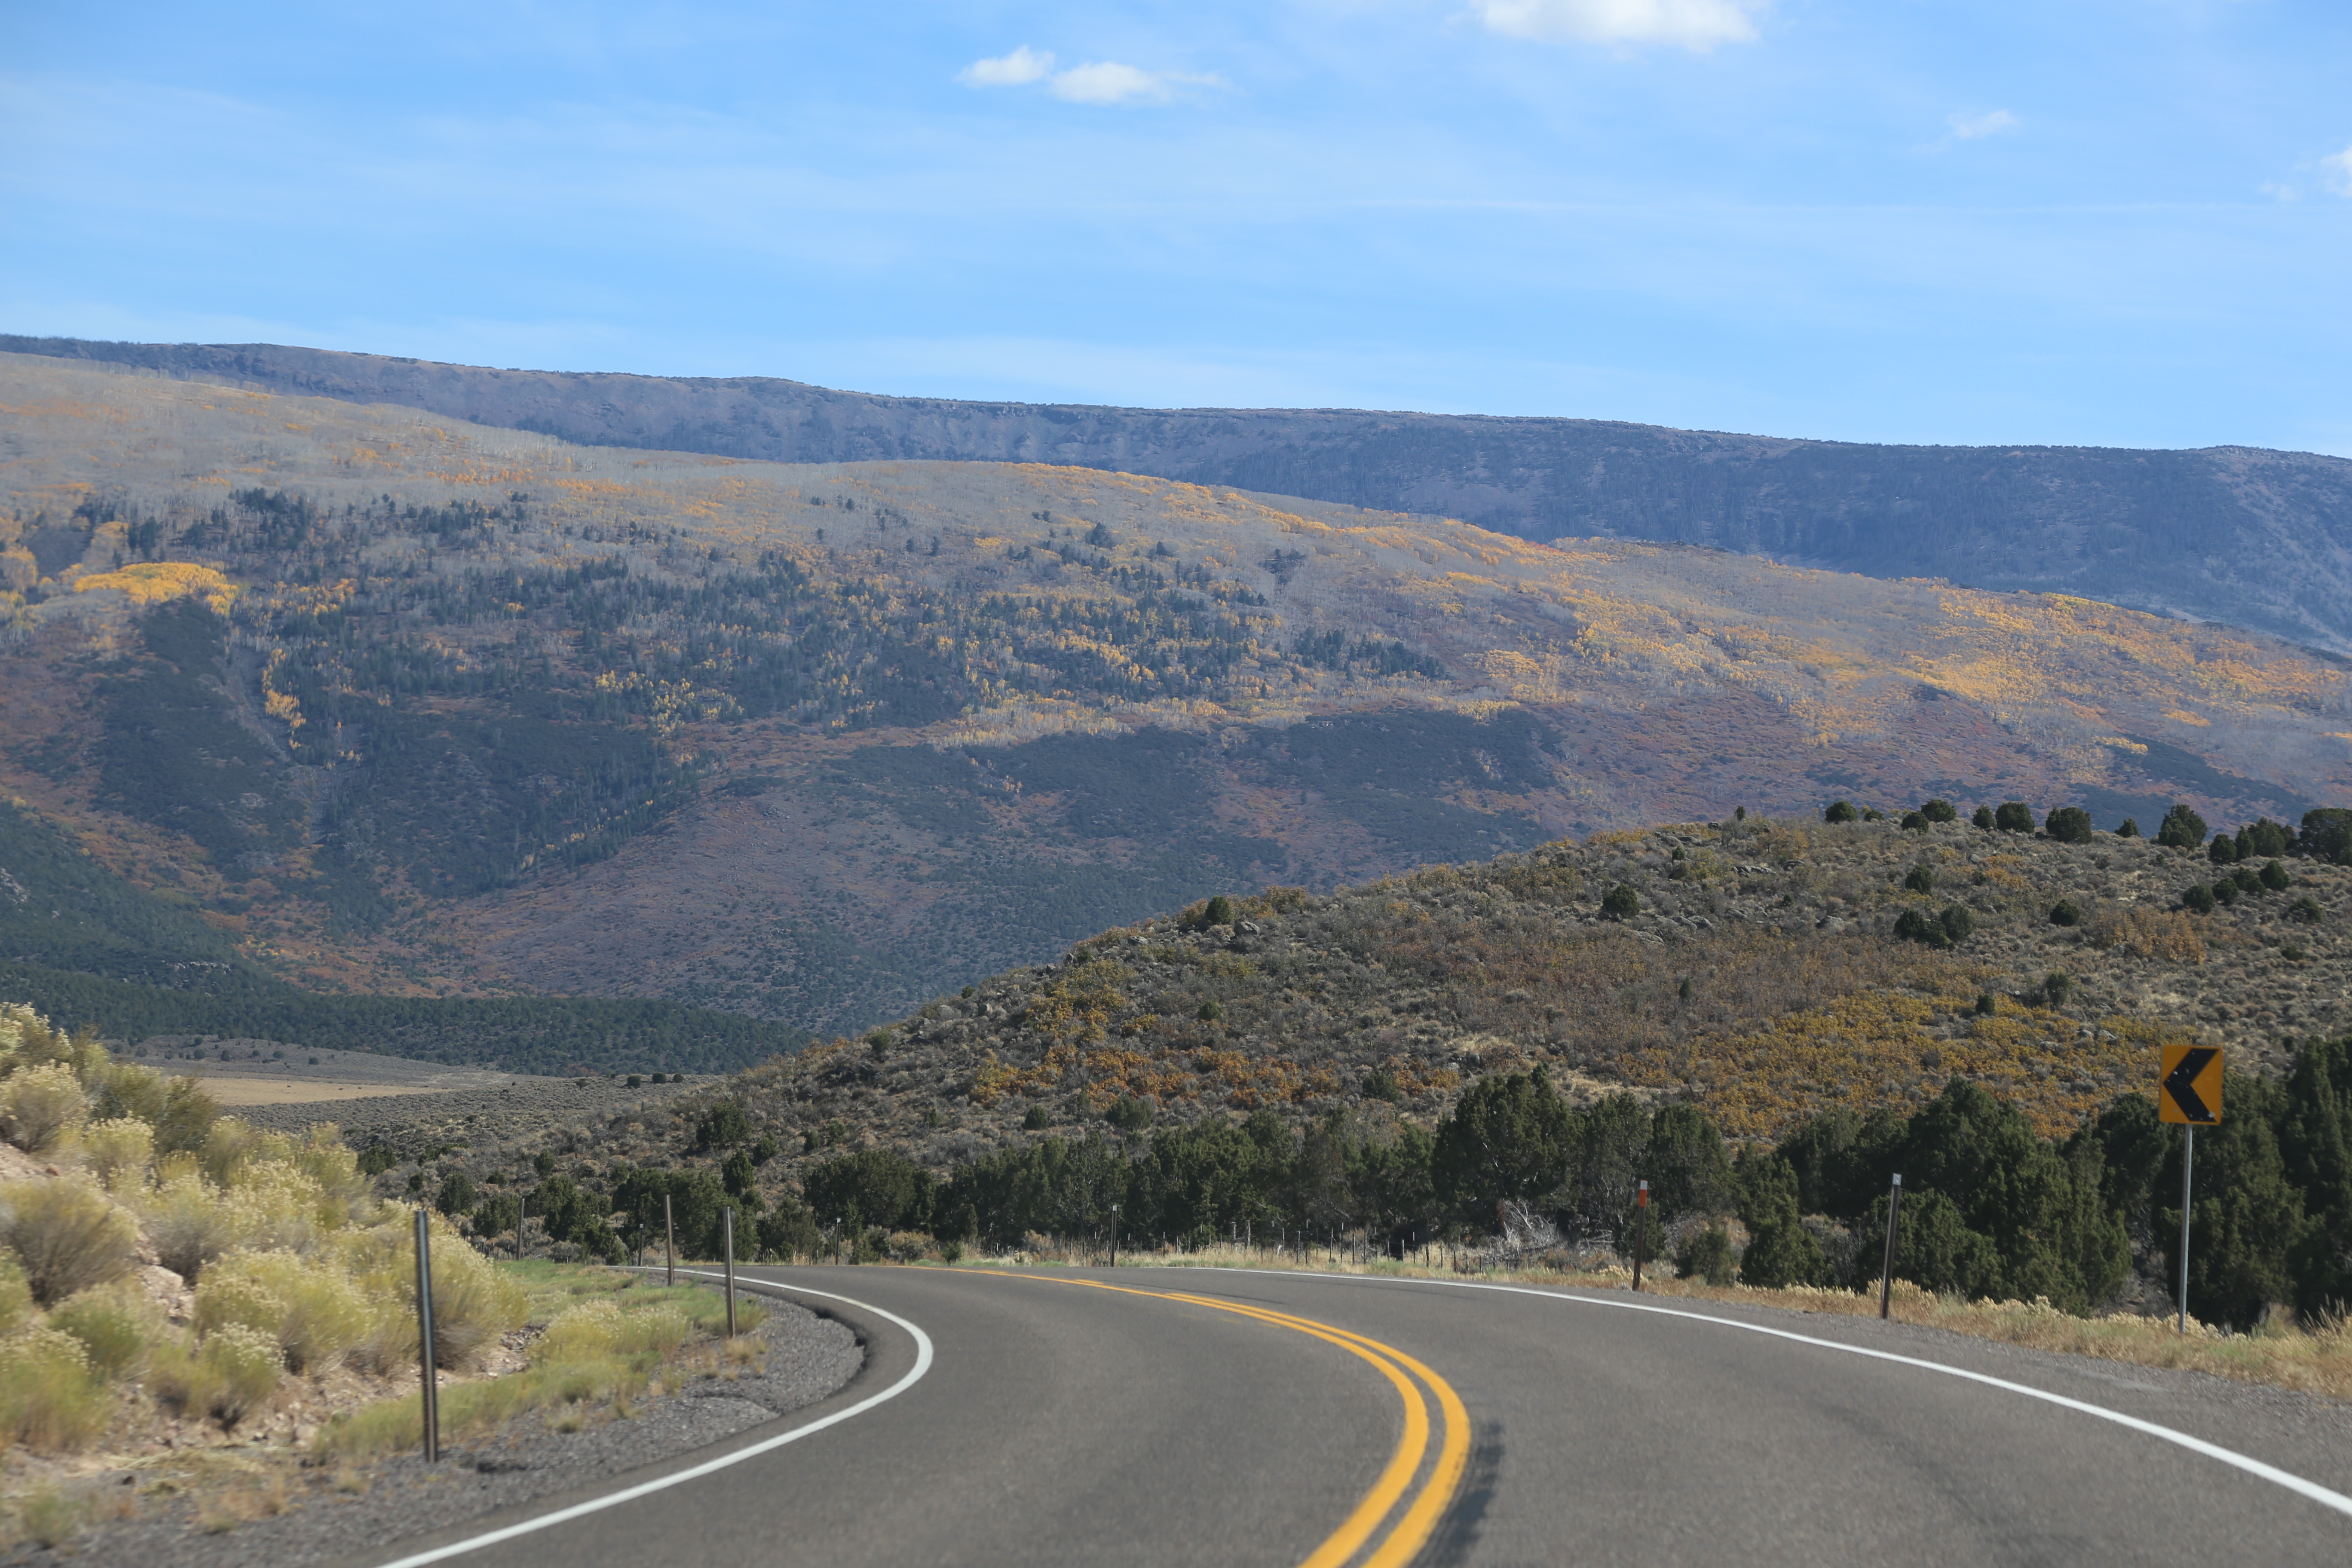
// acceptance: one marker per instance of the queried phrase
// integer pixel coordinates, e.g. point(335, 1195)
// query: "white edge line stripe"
point(2254, 1466)
point(629, 1494)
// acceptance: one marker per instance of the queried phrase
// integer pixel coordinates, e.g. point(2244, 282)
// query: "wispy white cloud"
point(2337, 169)
point(1023, 65)
point(1107, 81)
point(1095, 81)
point(1697, 25)
point(1968, 127)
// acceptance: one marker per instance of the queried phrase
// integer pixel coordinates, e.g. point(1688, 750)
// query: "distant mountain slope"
point(394, 703)
point(2254, 538)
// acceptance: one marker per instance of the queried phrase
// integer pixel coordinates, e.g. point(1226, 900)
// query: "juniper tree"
point(2069, 825)
point(2182, 828)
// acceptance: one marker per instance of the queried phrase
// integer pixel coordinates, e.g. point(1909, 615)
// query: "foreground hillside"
point(372, 703)
point(2254, 538)
point(1759, 977)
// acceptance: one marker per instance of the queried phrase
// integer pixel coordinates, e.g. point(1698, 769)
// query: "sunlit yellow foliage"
point(154, 582)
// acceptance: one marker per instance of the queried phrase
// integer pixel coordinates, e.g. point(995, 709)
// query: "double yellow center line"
point(1419, 1518)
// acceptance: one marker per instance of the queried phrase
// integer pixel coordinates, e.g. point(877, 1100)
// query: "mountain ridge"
point(2245, 536)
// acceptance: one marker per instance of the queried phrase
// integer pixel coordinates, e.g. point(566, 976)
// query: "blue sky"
point(2122, 222)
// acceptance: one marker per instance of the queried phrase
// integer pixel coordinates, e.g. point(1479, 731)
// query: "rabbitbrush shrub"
point(116, 1324)
point(473, 1303)
point(50, 1400)
point(68, 1234)
point(313, 1311)
point(118, 1150)
point(41, 1107)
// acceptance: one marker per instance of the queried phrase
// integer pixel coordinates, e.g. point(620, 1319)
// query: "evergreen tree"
point(1510, 1138)
point(1780, 1251)
point(1938, 811)
point(2069, 825)
point(1688, 1171)
point(1839, 811)
point(2315, 1136)
point(1984, 817)
point(2014, 817)
point(885, 1187)
point(1934, 1248)
point(2327, 834)
point(2181, 828)
point(1607, 1148)
point(2246, 1218)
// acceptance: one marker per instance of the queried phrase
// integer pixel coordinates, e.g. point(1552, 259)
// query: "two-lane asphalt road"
point(1157, 1416)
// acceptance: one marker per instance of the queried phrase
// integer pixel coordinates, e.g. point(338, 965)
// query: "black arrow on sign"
point(2181, 1083)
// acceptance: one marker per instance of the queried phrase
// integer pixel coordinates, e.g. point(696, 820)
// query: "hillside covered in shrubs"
point(1765, 1018)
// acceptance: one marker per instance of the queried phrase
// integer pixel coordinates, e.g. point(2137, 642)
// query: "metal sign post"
point(2189, 1094)
point(1886, 1269)
point(1113, 1236)
point(727, 1228)
point(669, 1243)
point(1641, 1213)
point(2188, 1163)
point(428, 1399)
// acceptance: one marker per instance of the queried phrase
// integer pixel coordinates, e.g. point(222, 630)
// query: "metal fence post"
point(429, 1393)
point(669, 1243)
point(1641, 1215)
point(2187, 1160)
point(727, 1230)
point(522, 1218)
point(1113, 1236)
point(1887, 1268)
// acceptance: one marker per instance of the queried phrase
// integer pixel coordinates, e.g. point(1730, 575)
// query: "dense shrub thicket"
point(1990, 1208)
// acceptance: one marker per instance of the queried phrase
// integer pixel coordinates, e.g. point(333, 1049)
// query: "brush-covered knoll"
point(1750, 969)
point(2229, 533)
point(450, 706)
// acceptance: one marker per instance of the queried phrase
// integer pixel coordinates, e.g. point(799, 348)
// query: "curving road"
point(1160, 1417)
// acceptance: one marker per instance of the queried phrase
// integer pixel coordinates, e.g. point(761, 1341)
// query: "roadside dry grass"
point(596, 1339)
point(2310, 1361)
point(603, 1337)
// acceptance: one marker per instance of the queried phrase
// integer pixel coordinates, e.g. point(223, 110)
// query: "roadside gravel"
point(357, 1514)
